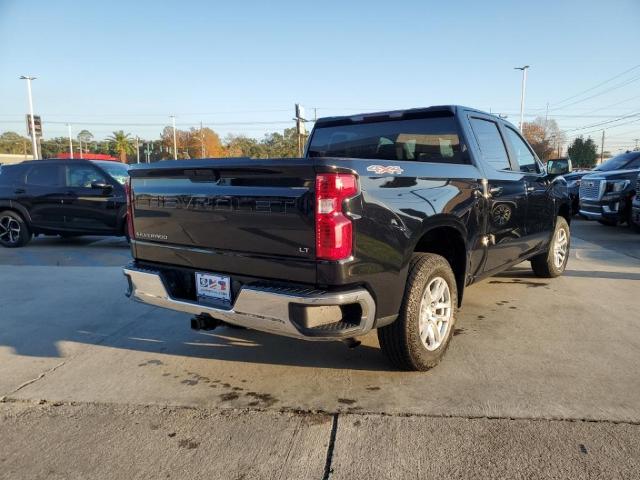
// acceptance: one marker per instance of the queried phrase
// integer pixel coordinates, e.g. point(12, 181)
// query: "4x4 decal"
point(381, 169)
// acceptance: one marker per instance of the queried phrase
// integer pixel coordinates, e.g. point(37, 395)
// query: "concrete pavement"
point(525, 348)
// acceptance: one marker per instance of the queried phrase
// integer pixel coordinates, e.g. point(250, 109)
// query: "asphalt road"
point(540, 381)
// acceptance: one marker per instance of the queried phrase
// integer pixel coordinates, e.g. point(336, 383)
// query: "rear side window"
point(490, 142)
point(9, 174)
point(422, 140)
point(43, 176)
point(526, 160)
point(82, 176)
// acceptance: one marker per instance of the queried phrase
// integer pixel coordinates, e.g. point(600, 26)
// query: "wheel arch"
point(16, 207)
point(447, 237)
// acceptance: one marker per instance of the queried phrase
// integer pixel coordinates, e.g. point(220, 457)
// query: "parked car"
point(383, 225)
point(606, 193)
point(61, 197)
point(635, 208)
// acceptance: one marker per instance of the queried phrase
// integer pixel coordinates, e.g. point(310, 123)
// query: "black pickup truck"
point(382, 225)
point(606, 193)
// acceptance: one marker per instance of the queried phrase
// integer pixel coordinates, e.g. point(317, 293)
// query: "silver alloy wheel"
point(435, 313)
point(560, 247)
point(9, 230)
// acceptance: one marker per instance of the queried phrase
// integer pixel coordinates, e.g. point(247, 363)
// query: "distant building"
point(9, 158)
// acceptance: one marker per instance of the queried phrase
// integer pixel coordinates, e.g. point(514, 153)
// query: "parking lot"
point(542, 377)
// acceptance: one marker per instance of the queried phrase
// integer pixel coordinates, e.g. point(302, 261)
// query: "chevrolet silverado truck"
point(382, 225)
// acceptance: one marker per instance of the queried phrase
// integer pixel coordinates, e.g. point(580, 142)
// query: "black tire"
point(14, 231)
point(544, 265)
point(401, 341)
point(633, 226)
point(608, 223)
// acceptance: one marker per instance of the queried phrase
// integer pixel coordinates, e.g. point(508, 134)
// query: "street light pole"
point(524, 87)
point(175, 143)
point(34, 144)
point(137, 149)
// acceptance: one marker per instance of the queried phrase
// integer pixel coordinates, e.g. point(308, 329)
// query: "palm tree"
point(122, 144)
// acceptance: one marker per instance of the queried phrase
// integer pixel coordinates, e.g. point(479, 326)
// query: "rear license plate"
point(211, 286)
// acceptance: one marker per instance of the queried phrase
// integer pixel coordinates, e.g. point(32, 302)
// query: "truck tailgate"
point(234, 207)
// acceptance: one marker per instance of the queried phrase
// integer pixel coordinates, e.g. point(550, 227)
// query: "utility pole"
point(70, 142)
point(522, 93)
point(202, 140)
point(175, 143)
point(80, 146)
point(137, 149)
point(602, 148)
point(300, 128)
point(636, 140)
point(34, 144)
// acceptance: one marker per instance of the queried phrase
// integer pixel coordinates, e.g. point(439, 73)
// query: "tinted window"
point(619, 162)
point(43, 176)
point(421, 139)
point(490, 142)
point(524, 157)
point(9, 174)
point(82, 176)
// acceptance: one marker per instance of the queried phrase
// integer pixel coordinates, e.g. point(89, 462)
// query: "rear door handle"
point(495, 191)
point(531, 189)
point(19, 190)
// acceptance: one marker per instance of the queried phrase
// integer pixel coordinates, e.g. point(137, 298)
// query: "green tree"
point(53, 147)
point(583, 152)
point(242, 146)
point(84, 137)
point(122, 144)
point(13, 143)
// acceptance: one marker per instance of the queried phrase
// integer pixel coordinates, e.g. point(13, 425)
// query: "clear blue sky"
point(137, 62)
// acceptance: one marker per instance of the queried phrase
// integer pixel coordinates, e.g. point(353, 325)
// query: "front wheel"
point(553, 262)
point(420, 336)
point(14, 231)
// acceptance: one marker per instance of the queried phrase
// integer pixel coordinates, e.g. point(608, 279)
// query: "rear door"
point(86, 208)
point(506, 196)
point(540, 216)
point(42, 193)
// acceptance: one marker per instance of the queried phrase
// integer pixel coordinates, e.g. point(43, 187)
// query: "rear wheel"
point(553, 262)
point(14, 231)
point(420, 336)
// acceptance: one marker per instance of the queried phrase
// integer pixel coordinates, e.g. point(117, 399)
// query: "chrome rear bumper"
point(265, 309)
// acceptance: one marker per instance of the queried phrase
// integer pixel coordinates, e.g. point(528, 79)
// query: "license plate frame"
point(213, 287)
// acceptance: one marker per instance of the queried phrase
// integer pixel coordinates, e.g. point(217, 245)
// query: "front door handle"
point(531, 189)
point(19, 191)
point(495, 191)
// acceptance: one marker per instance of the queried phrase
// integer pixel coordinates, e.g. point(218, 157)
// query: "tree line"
point(192, 143)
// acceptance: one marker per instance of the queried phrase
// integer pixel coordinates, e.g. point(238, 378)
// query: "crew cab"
point(382, 225)
point(606, 193)
point(61, 197)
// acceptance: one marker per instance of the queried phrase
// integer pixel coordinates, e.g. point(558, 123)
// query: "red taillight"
point(334, 230)
point(128, 191)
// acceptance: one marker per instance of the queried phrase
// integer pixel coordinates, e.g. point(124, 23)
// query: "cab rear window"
point(433, 139)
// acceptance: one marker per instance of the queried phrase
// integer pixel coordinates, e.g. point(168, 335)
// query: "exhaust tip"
point(204, 322)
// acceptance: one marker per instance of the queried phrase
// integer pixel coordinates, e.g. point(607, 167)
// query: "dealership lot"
point(543, 366)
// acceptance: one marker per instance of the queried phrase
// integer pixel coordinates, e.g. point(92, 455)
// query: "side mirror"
point(105, 187)
point(559, 167)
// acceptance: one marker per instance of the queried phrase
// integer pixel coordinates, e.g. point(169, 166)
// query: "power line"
point(615, 87)
point(598, 85)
